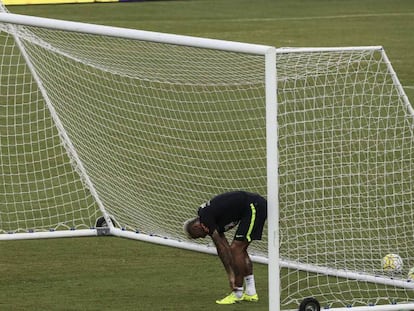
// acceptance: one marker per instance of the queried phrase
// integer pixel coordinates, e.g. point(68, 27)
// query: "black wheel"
point(101, 222)
point(309, 304)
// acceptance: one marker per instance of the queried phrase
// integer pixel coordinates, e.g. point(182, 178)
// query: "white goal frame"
point(269, 53)
point(271, 116)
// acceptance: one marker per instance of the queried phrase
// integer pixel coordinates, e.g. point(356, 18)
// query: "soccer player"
point(220, 214)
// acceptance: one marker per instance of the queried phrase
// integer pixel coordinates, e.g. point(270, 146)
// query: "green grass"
point(112, 274)
point(118, 274)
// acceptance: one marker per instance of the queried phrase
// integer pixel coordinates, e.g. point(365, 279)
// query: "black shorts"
point(251, 225)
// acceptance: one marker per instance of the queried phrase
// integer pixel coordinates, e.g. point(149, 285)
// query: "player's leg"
point(238, 254)
point(241, 261)
point(250, 289)
point(244, 267)
point(250, 228)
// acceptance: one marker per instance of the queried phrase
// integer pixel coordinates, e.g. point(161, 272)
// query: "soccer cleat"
point(251, 298)
point(230, 299)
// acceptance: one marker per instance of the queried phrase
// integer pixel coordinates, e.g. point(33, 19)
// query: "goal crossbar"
point(133, 34)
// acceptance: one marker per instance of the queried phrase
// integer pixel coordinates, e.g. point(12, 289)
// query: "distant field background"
point(118, 274)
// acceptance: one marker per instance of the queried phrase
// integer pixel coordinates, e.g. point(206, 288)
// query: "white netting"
point(40, 189)
point(346, 165)
point(159, 129)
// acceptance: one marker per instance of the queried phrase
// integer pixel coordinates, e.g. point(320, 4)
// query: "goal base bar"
point(210, 249)
point(390, 307)
point(52, 234)
point(203, 248)
point(106, 231)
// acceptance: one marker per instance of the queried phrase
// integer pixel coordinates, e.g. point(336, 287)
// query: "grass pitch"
point(117, 274)
point(112, 274)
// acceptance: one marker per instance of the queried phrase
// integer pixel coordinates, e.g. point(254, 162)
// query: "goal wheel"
point(101, 222)
point(309, 304)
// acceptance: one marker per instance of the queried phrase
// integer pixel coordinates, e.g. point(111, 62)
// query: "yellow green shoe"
point(230, 299)
point(251, 298)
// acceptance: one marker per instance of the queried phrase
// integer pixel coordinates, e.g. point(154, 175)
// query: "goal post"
point(106, 130)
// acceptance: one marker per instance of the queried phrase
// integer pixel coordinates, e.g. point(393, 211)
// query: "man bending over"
point(246, 210)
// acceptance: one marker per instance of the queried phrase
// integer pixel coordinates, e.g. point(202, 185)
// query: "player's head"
point(193, 228)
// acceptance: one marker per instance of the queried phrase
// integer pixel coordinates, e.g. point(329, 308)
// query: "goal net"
point(141, 128)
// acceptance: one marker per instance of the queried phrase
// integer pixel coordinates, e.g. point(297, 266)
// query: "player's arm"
point(224, 252)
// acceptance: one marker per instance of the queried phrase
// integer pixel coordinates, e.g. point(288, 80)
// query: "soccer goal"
point(111, 131)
